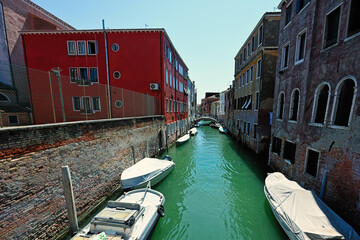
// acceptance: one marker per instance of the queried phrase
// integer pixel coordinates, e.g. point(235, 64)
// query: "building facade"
point(206, 103)
point(141, 75)
point(15, 16)
point(316, 121)
point(255, 66)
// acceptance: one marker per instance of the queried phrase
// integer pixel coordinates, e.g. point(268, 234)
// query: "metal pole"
point(52, 97)
point(69, 197)
point(133, 154)
point(107, 70)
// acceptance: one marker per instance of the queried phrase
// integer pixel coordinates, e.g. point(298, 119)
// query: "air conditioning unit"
point(154, 86)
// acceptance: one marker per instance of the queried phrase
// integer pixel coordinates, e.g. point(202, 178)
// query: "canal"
point(216, 191)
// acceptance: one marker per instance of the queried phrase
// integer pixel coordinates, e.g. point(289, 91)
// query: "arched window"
point(4, 98)
point(294, 105)
point(280, 108)
point(321, 102)
point(344, 101)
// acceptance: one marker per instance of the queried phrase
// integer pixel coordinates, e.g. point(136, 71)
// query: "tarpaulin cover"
point(143, 171)
point(303, 212)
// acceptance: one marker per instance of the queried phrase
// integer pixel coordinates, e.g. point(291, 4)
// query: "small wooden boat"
point(223, 130)
point(183, 139)
point(193, 131)
point(132, 216)
point(301, 213)
point(146, 170)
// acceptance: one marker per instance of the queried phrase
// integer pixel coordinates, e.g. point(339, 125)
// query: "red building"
point(142, 71)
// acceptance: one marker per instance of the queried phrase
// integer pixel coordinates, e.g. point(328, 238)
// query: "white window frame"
point(167, 77)
point(83, 103)
point(298, 42)
point(283, 54)
point(347, 24)
point(326, 24)
point(260, 35)
point(77, 70)
point(88, 49)
point(247, 76)
point(17, 120)
point(97, 73)
point(167, 105)
point(283, 143)
point(244, 78)
point(292, 105)
point(251, 73)
point(92, 104)
point(278, 107)
point(257, 101)
point(67, 44)
point(84, 42)
point(73, 102)
point(287, 6)
point(336, 102)
point(315, 104)
point(258, 68)
point(306, 162)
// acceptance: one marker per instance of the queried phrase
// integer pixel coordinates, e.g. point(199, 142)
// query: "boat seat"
point(126, 205)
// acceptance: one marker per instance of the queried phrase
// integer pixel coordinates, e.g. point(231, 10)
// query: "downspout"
point(107, 72)
point(162, 89)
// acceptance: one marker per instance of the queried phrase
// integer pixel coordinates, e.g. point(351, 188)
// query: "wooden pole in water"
point(133, 154)
point(69, 197)
point(147, 149)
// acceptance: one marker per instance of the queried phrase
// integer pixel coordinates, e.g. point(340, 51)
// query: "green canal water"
point(216, 191)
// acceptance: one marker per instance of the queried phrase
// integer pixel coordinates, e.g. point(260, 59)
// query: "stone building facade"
point(255, 65)
point(316, 120)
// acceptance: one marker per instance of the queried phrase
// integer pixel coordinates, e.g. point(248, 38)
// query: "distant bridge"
point(205, 118)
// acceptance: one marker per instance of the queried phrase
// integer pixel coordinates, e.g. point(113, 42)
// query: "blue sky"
point(206, 33)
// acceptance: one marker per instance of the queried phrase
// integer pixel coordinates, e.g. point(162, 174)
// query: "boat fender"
point(161, 210)
point(130, 221)
point(167, 157)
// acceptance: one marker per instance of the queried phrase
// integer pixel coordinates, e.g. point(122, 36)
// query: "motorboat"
point(301, 213)
point(223, 130)
point(193, 131)
point(146, 170)
point(132, 216)
point(215, 125)
point(183, 139)
point(197, 125)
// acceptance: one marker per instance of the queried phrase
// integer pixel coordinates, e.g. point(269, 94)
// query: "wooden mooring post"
point(133, 154)
point(70, 201)
point(147, 149)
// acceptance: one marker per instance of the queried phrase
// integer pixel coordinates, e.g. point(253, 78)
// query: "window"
point(248, 49)
point(288, 14)
point(81, 47)
point(4, 98)
point(118, 103)
point(243, 79)
point(74, 77)
point(167, 77)
point(86, 105)
point(321, 101)
point(92, 47)
point(354, 23)
point(285, 56)
point(240, 59)
point(170, 80)
point(251, 73)
point(248, 129)
point(96, 104)
point(13, 120)
point(244, 54)
point(344, 100)
point(244, 127)
point(116, 75)
point(260, 35)
point(76, 103)
point(301, 4)
point(255, 131)
point(94, 78)
point(280, 109)
point(71, 45)
point(312, 162)
point(332, 28)
point(167, 105)
point(174, 86)
point(300, 46)
point(253, 44)
point(289, 151)
point(276, 145)
point(83, 75)
point(247, 76)
point(294, 105)
point(171, 105)
point(257, 103)
point(258, 69)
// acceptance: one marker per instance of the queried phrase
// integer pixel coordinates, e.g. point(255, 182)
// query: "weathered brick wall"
point(32, 205)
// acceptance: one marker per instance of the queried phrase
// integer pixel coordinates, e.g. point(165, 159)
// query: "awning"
point(248, 103)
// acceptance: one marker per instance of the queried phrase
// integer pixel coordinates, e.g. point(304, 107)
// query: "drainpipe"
point(107, 71)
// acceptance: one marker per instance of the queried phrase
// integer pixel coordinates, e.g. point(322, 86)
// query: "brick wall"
point(32, 205)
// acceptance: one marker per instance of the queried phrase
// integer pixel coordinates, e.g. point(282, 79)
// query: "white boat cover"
point(183, 138)
point(143, 171)
point(305, 214)
point(193, 131)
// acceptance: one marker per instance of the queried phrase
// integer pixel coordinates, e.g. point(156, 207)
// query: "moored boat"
point(193, 131)
point(132, 216)
point(146, 170)
point(183, 139)
point(301, 213)
point(223, 130)
point(215, 125)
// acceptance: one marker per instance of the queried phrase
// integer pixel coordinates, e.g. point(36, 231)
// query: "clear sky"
point(206, 33)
